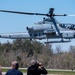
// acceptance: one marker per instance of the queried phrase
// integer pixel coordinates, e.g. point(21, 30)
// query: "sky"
point(17, 23)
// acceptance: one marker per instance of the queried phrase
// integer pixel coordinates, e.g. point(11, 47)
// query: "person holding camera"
point(36, 68)
point(14, 70)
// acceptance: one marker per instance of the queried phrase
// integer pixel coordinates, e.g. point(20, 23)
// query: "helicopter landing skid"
point(58, 41)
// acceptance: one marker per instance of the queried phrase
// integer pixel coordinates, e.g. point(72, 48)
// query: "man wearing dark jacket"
point(14, 70)
point(36, 69)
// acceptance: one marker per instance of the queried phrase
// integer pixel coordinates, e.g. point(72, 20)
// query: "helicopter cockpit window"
point(44, 22)
point(41, 22)
point(73, 26)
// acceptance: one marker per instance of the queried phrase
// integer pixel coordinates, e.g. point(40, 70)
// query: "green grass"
point(49, 72)
point(22, 70)
point(62, 72)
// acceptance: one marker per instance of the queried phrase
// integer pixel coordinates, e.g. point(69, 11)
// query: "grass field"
point(55, 72)
point(62, 72)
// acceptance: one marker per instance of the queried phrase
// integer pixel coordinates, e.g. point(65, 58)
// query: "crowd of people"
point(35, 68)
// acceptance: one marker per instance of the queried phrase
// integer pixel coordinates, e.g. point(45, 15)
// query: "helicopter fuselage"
point(45, 31)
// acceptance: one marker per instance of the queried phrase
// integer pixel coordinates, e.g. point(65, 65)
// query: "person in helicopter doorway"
point(36, 68)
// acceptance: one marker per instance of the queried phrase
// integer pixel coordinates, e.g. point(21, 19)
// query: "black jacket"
point(35, 70)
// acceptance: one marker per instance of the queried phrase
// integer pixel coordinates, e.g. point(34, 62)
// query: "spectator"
point(0, 70)
point(14, 70)
point(36, 68)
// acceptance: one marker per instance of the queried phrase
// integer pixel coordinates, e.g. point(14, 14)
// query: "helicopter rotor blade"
point(50, 14)
point(70, 15)
point(27, 13)
point(60, 15)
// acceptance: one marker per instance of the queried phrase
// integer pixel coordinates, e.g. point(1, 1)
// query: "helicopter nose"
point(29, 28)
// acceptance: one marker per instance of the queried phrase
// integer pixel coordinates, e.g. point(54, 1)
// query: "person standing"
point(36, 69)
point(14, 70)
point(0, 70)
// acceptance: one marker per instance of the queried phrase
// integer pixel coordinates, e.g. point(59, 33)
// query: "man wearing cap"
point(14, 70)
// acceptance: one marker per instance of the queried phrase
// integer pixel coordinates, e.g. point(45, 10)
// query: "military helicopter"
point(49, 28)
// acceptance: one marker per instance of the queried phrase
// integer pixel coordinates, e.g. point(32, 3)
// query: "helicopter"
point(49, 28)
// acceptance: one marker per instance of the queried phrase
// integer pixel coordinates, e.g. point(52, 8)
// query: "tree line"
point(25, 50)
